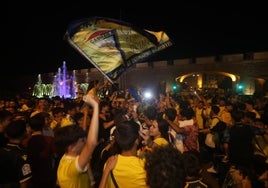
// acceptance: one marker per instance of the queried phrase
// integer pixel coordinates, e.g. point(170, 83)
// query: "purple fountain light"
point(64, 85)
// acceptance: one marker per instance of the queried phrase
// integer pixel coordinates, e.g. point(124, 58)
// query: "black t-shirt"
point(240, 144)
point(104, 134)
point(14, 167)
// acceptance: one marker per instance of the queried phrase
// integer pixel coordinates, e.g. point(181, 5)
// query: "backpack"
point(220, 126)
point(218, 132)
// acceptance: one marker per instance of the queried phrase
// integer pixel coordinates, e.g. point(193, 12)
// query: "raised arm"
point(175, 126)
point(92, 137)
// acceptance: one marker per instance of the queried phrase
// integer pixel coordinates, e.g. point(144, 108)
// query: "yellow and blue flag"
point(113, 46)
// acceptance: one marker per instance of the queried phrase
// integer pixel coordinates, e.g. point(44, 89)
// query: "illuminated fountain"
point(40, 89)
point(63, 85)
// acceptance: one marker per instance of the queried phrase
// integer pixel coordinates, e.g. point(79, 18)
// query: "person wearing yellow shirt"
point(127, 169)
point(73, 169)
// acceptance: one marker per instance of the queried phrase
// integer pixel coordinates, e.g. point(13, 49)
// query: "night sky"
point(34, 32)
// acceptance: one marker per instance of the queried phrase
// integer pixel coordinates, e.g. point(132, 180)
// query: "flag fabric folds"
point(113, 46)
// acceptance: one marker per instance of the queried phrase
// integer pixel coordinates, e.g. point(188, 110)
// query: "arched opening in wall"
point(208, 80)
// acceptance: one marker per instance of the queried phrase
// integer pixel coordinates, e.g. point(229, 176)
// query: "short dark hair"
point(150, 112)
point(126, 133)
point(16, 129)
point(171, 113)
point(237, 115)
point(164, 168)
point(65, 136)
point(4, 114)
point(249, 101)
point(215, 109)
point(187, 112)
point(192, 165)
point(37, 122)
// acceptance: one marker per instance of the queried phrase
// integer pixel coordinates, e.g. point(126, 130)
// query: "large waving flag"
point(113, 46)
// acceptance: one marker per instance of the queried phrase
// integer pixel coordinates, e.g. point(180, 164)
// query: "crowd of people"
point(111, 140)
